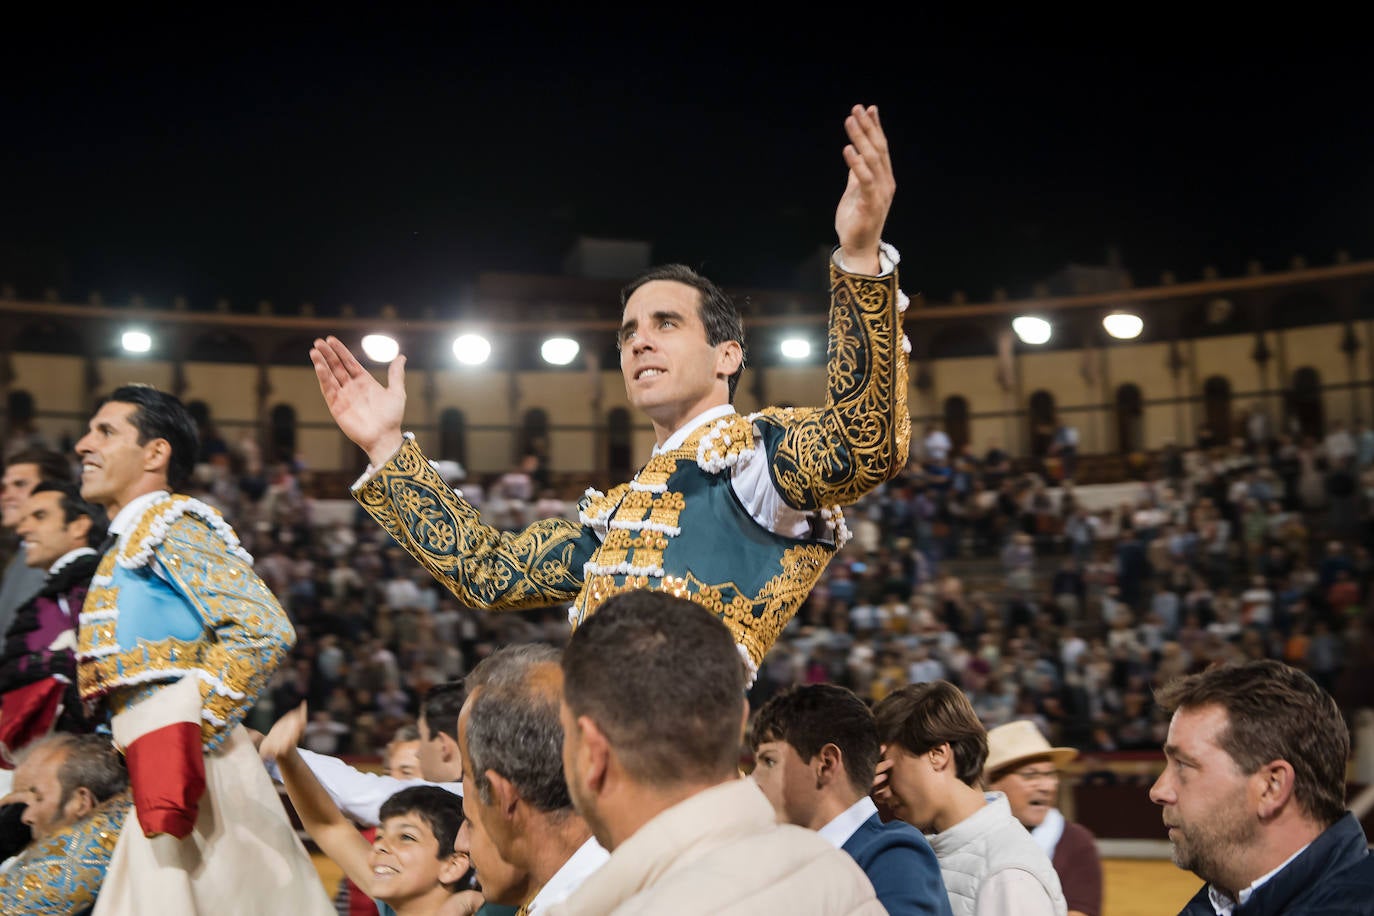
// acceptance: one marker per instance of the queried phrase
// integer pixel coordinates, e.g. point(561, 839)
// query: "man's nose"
point(1160, 792)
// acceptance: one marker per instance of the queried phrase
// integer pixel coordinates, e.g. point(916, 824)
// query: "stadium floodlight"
point(1123, 325)
point(1032, 330)
point(381, 348)
point(795, 348)
point(559, 350)
point(471, 349)
point(135, 341)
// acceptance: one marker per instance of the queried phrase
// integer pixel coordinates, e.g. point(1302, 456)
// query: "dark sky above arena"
point(345, 159)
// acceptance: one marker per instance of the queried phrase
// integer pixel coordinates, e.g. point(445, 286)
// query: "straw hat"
point(1016, 741)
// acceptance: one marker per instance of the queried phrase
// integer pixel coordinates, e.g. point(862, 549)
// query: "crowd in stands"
point(1041, 599)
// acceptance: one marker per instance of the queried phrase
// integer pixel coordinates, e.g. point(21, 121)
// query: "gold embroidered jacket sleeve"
point(483, 566)
point(833, 455)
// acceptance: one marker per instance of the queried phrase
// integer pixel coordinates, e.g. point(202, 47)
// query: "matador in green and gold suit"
point(738, 513)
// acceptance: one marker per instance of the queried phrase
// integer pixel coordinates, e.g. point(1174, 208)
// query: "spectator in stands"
point(1253, 794)
point(1023, 766)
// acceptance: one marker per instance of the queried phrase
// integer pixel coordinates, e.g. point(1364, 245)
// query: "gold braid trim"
point(835, 454)
point(482, 566)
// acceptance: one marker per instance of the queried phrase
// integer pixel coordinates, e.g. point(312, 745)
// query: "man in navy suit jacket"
point(815, 750)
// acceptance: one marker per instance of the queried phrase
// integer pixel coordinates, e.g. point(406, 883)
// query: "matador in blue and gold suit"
point(178, 638)
point(738, 513)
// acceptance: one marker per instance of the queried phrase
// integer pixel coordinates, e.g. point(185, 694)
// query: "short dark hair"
point(513, 726)
point(159, 415)
point(1274, 712)
point(440, 809)
point(663, 678)
point(51, 465)
point(441, 706)
point(810, 716)
point(717, 310)
point(74, 507)
point(921, 717)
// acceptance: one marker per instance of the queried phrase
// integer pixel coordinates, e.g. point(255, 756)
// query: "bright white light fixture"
point(559, 350)
point(1031, 330)
point(136, 342)
point(796, 348)
point(381, 348)
point(1123, 325)
point(471, 349)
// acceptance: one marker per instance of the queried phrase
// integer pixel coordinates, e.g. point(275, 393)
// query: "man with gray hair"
point(75, 792)
point(653, 717)
point(529, 846)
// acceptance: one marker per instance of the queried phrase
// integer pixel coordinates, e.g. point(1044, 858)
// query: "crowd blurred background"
point(1045, 600)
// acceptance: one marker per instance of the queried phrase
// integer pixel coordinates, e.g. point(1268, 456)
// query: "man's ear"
point(597, 749)
point(828, 765)
point(504, 793)
point(453, 867)
point(729, 357)
point(1273, 786)
point(80, 528)
point(157, 455)
point(80, 804)
point(448, 747)
point(941, 757)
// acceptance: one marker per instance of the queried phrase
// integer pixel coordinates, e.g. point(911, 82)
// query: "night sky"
point(392, 160)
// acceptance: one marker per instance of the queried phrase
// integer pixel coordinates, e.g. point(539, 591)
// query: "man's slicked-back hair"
point(810, 716)
point(440, 708)
point(921, 717)
point(73, 507)
point(1274, 712)
point(513, 726)
point(160, 415)
point(53, 466)
point(439, 808)
point(663, 679)
point(717, 310)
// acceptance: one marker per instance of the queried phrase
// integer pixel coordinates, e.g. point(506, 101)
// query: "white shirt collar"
point(589, 857)
point(124, 520)
point(1224, 904)
point(680, 434)
point(68, 557)
point(839, 830)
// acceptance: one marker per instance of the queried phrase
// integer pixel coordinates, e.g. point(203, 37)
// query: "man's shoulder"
point(178, 520)
point(875, 836)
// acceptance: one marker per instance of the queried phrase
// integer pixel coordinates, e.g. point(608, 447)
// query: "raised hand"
point(868, 195)
point(285, 734)
point(368, 414)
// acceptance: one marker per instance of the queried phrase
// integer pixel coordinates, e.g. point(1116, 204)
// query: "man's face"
point(35, 780)
point(1205, 796)
point(113, 464)
point(914, 786)
point(430, 753)
point(671, 372)
point(404, 760)
point(492, 869)
point(787, 781)
point(1032, 789)
point(15, 487)
point(46, 533)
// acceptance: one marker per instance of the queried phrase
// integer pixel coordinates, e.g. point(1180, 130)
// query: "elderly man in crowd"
point(528, 844)
point(74, 792)
point(1253, 794)
point(1025, 768)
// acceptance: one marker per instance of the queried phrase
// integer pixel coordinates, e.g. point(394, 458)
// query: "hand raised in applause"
point(867, 197)
point(368, 414)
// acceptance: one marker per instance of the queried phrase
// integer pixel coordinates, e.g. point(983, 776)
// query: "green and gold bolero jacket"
point(678, 526)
